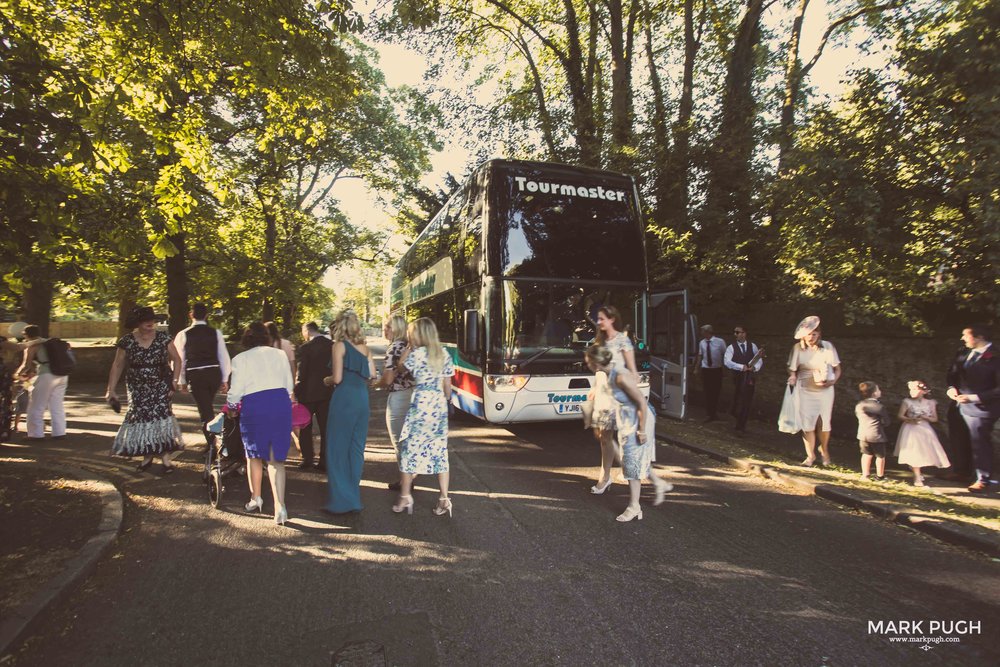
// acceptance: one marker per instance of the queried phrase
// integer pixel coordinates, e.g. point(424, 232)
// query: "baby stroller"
point(224, 457)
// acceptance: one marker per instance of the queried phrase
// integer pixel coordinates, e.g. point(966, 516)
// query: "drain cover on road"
point(360, 654)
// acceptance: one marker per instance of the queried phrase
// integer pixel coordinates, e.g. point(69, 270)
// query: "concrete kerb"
point(946, 531)
point(19, 621)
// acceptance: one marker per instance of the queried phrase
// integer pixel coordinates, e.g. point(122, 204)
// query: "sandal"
point(142, 467)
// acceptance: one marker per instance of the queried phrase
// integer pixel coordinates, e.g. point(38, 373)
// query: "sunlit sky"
point(405, 67)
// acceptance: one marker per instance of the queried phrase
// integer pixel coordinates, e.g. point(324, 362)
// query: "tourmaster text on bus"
point(556, 188)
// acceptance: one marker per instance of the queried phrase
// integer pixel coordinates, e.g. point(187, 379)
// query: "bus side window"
point(451, 230)
point(472, 240)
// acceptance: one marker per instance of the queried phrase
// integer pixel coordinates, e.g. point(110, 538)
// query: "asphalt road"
point(532, 569)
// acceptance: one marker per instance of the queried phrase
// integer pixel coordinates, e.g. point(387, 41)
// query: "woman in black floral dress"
point(150, 428)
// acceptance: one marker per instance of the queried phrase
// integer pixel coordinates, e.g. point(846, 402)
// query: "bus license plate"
point(567, 408)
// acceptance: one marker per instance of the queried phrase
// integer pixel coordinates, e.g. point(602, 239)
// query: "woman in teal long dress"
point(347, 424)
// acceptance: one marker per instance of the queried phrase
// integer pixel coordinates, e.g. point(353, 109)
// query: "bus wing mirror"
point(470, 332)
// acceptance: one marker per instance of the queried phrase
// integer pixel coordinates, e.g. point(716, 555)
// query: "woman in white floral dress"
point(423, 442)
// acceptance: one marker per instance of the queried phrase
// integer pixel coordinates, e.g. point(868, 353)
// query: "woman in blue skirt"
point(261, 389)
point(347, 424)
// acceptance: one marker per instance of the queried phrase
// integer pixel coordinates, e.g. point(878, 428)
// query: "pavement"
point(941, 510)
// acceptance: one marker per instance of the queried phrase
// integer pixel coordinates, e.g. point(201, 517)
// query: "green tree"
point(890, 203)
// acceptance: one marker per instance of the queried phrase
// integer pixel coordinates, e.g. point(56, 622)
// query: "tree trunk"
point(177, 286)
point(793, 82)
point(678, 180)
point(584, 125)
point(661, 149)
point(37, 298)
point(270, 243)
point(730, 179)
point(126, 282)
point(621, 37)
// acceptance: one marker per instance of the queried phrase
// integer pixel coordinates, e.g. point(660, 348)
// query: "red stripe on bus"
point(467, 382)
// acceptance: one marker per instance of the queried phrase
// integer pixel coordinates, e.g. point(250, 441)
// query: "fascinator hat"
point(806, 327)
point(142, 314)
point(16, 330)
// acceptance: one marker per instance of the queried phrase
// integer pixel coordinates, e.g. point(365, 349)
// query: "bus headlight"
point(506, 383)
point(644, 379)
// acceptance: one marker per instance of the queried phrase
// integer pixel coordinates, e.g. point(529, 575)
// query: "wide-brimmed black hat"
point(142, 314)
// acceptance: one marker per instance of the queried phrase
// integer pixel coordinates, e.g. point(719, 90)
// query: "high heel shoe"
point(255, 505)
point(444, 507)
point(281, 516)
point(405, 503)
point(808, 463)
point(630, 514)
point(597, 490)
point(662, 489)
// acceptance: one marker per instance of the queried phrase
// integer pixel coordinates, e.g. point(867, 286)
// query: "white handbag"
point(788, 418)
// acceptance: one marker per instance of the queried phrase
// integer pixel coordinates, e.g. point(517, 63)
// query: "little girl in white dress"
point(917, 445)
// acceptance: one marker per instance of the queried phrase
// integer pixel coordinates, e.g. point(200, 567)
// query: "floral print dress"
point(637, 458)
point(604, 410)
point(424, 440)
point(149, 426)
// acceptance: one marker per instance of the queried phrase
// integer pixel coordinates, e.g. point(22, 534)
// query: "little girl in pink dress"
point(917, 445)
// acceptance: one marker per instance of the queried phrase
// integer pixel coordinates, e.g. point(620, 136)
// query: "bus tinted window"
point(552, 225)
point(558, 320)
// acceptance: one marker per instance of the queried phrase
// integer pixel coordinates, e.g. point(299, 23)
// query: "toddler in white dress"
point(917, 445)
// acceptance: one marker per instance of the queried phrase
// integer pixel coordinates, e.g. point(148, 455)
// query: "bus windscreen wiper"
point(527, 361)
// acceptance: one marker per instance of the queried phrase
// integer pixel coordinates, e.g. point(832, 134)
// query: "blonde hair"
point(599, 353)
point(397, 327)
point(423, 333)
point(347, 327)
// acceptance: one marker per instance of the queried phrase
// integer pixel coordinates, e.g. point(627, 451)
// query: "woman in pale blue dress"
point(347, 423)
point(423, 442)
point(636, 430)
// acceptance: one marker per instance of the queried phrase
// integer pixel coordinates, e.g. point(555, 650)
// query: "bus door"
point(671, 337)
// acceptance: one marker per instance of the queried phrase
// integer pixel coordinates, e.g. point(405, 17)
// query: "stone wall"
point(77, 329)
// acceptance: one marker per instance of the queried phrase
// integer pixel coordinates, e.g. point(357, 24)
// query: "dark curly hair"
point(255, 335)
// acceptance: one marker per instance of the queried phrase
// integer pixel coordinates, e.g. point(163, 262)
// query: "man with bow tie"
point(974, 384)
point(738, 359)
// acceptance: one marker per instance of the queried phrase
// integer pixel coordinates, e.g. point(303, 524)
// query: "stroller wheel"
point(206, 473)
point(215, 488)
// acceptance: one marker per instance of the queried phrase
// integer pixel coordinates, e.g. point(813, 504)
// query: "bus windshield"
point(550, 322)
point(569, 226)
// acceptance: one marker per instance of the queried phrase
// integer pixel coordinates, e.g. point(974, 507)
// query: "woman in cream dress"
point(813, 369)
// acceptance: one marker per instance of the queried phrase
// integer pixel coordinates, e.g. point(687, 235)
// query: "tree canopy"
point(757, 189)
point(175, 151)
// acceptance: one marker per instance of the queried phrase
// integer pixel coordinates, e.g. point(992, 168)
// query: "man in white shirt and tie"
point(737, 359)
point(711, 350)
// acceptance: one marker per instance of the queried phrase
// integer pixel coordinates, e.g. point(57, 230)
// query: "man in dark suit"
point(313, 365)
point(974, 384)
